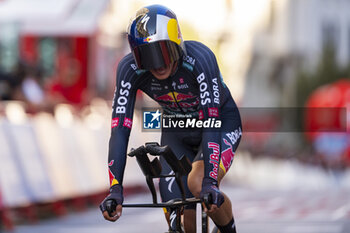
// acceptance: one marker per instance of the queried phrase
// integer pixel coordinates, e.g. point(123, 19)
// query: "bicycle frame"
point(152, 170)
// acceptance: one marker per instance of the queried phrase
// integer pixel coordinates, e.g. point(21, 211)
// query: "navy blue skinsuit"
point(196, 88)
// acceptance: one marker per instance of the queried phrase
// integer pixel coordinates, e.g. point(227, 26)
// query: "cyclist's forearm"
point(211, 153)
point(118, 143)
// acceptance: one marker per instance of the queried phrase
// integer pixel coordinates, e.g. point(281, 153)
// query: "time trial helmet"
point(154, 37)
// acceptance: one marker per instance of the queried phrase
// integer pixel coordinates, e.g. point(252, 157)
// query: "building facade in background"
point(56, 37)
point(293, 38)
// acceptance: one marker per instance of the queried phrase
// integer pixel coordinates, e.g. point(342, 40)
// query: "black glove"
point(210, 188)
point(114, 198)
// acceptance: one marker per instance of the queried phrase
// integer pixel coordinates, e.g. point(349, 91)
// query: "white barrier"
point(277, 174)
point(74, 156)
point(56, 159)
point(11, 180)
point(30, 161)
point(49, 157)
point(45, 158)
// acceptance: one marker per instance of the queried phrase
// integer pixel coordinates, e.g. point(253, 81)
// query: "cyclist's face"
point(164, 72)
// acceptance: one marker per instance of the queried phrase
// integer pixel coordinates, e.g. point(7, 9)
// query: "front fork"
point(205, 220)
point(175, 220)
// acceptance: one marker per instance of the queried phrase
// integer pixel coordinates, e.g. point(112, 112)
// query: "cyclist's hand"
point(210, 188)
point(111, 206)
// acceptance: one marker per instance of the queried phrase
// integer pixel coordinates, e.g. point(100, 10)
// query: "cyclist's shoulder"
point(127, 68)
point(126, 62)
point(199, 55)
point(197, 49)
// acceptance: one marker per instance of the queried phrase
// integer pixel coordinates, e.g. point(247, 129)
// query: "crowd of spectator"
point(28, 84)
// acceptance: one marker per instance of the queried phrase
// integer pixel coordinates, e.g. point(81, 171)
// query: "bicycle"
point(151, 170)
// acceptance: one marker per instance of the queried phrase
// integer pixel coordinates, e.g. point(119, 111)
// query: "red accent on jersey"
point(115, 122)
point(200, 114)
point(227, 156)
point(127, 122)
point(213, 112)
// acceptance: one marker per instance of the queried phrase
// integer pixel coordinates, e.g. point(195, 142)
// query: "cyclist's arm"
point(211, 93)
point(123, 107)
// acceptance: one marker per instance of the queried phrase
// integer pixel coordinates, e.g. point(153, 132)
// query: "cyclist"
point(184, 78)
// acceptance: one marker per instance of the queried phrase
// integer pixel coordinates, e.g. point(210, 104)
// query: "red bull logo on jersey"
point(190, 104)
point(174, 97)
point(111, 163)
point(112, 179)
point(227, 156)
point(165, 98)
point(181, 97)
point(214, 159)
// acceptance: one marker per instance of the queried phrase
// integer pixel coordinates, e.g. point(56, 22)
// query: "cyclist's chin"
point(161, 76)
point(162, 73)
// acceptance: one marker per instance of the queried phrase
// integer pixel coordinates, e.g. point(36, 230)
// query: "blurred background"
point(286, 62)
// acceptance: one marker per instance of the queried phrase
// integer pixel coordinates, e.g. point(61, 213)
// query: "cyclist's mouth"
point(160, 71)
